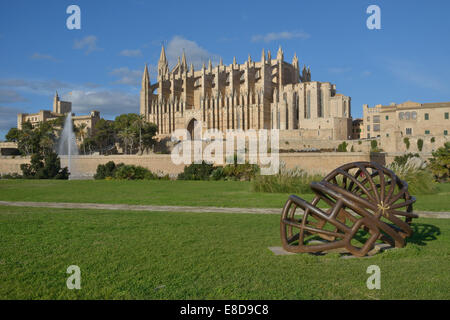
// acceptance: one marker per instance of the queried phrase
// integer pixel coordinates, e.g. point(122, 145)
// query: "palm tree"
point(139, 123)
point(127, 136)
point(81, 133)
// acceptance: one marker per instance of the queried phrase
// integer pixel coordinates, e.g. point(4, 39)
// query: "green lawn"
point(156, 255)
point(189, 193)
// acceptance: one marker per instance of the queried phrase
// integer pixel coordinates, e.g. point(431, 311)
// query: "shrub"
point(218, 174)
point(342, 147)
point(105, 170)
point(406, 142)
point(374, 146)
point(401, 160)
point(197, 171)
point(121, 171)
point(352, 149)
point(132, 172)
point(48, 167)
point(286, 181)
point(359, 142)
point(417, 175)
point(420, 144)
point(440, 163)
point(244, 171)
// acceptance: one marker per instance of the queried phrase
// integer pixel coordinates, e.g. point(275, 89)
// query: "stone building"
point(357, 128)
point(265, 94)
point(393, 123)
point(60, 109)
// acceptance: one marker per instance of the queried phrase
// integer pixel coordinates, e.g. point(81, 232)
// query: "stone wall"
point(312, 162)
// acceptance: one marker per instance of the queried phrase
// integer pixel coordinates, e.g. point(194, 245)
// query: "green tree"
point(104, 134)
point(148, 133)
point(139, 123)
point(440, 163)
point(13, 135)
point(127, 137)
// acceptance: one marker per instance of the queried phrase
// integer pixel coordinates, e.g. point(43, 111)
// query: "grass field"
point(157, 255)
point(187, 193)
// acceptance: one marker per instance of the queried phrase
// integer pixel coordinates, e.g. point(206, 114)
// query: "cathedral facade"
point(266, 94)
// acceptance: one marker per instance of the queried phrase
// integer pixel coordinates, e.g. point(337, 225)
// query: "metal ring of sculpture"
point(357, 203)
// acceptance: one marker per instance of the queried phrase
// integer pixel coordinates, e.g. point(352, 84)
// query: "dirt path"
point(102, 206)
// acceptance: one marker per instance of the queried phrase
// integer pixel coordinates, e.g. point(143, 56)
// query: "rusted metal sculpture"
point(359, 202)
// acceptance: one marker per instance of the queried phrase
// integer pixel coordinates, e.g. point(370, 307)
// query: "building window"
point(446, 115)
point(387, 134)
point(445, 132)
point(408, 131)
point(387, 117)
point(400, 116)
point(376, 119)
point(427, 131)
point(427, 116)
point(368, 128)
point(414, 115)
point(368, 119)
point(407, 115)
point(376, 127)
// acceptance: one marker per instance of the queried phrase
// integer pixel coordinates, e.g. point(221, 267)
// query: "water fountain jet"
point(67, 144)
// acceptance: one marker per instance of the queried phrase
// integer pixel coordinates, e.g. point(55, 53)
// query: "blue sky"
point(101, 65)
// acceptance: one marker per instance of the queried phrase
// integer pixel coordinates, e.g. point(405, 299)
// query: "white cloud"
point(285, 35)
point(39, 56)
point(130, 53)
point(127, 76)
point(417, 75)
point(194, 53)
point(8, 119)
point(41, 87)
point(88, 43)
point(110, 103)
point(366, 73)
point(10, 96)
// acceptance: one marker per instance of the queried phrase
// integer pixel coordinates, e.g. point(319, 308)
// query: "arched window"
point(407, 115)
point(400, 116)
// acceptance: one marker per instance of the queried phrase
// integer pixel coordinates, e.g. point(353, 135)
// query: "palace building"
point(60, 109)
point(266, 94)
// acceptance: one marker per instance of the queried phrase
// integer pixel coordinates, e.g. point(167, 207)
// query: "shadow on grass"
point(423, 233)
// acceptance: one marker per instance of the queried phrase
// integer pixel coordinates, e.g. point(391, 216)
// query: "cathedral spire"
point(263, 56)
point(269, 56)
point(295, 61)
point(145, 78)
point(280, 54)
point(163, 65)
point(162, 56)
point(210, 65)
point(183, 61)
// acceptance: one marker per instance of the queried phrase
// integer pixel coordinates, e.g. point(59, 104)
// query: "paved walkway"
point(132, 207)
